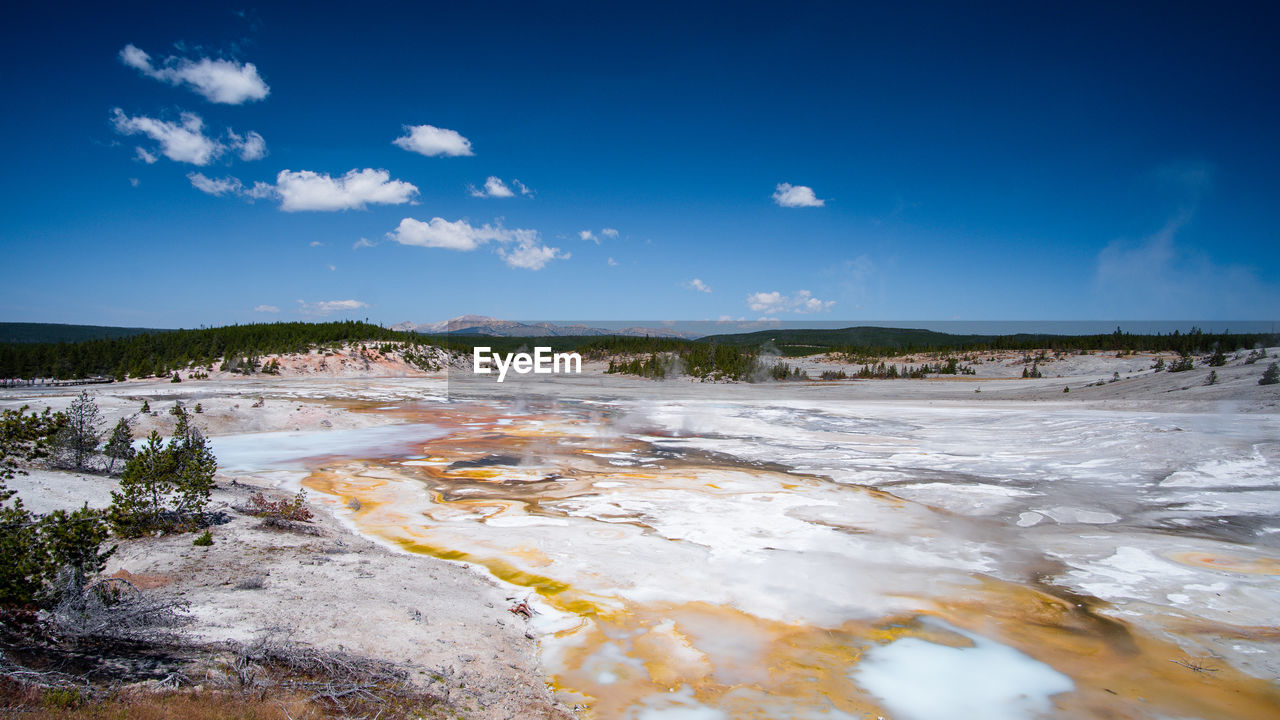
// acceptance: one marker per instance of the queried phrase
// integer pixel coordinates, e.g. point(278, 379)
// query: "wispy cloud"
point(215, 186)
point(794, 196)
point(696, 284)
point(493, 188)
point(524, 189)
point(362, 243)
point(519, 248)
point(801, 302)
point(530, 256)
point(315, 243)
point(328, 307)
point(589, 236)
point(185, 140)
point(433, 141)
point(1157, 277)
point(612, 262)
point(611, 233)
point(219, 81)
point(251, 146)
point(266, 309)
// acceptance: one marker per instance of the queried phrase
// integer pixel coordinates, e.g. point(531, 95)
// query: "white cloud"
point(589, 236)
point(215, 186)
point(307, 190)
point(493, 187)
point(260, 191)
point(696, 284)
point(613, 263)
point(185, 141)
point(524, 189)
point(267, 309)
point(328, 307)
point(610, 233)
point(219, 81)
point(134, 182)
point(315, 243)
point(802, 302)
point(521, 248)
point(362, 243)
point(251, 146)
point(459, 235)
point(531, 255)
point(180, 142)
point(333, 268)
point(433, 141)
point(792, 196)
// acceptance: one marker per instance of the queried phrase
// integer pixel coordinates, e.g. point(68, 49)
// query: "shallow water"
point(737, 559)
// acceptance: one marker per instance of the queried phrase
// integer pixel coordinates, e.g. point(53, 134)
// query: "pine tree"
point(34, 548)
point(138, 506)
point(78, 440)
point(165, 486)
point(120, 444)
point(194, 466)
point(1271, 376)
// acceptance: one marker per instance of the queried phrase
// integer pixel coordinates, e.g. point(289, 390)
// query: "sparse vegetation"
point(34, 549)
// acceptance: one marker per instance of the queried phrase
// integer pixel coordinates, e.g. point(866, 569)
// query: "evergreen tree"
point(1212, 379)
point(120, 444)
point(165, 487)
point(138, 506)
point(194, 466)
point(78, 440)
point(34, 548)
point(1271, 376)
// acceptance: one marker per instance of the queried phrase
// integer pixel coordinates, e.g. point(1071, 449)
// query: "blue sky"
point(814, 160)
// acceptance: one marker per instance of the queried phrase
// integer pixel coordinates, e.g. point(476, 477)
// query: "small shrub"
point(205, 539)
point(294, 509)
point(1066, 389)
point(1212, 379)
point(1182, 364)
point(253, 582)
point(146, 407)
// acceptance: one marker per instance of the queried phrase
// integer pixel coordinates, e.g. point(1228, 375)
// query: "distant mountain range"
point(483, 325)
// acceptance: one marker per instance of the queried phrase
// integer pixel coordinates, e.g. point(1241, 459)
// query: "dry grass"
point(19, 702)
